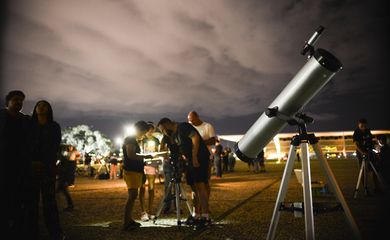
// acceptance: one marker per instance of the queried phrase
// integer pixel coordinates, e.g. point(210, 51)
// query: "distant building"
point(333, 144)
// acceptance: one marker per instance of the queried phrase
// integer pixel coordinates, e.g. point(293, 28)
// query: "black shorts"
point(197, 175)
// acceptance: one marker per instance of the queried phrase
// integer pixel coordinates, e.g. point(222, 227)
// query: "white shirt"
point(206, 130)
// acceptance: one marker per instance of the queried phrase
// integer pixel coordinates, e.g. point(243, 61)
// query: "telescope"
point(319, 69)
point(287, 109)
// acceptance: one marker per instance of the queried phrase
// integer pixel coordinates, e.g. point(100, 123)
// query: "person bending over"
point(195, 151)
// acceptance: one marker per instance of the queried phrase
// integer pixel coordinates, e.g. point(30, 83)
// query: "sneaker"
point(152, 217)
point(190, 221)
point(145, 217)
point(131, 226)
point(202, 223)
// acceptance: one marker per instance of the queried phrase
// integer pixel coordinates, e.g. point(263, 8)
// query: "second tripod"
point(175, 192)
point(366, 164)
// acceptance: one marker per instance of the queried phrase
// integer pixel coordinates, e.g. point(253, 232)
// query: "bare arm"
point(210, 141)
point(163, 147)
point(195, 148)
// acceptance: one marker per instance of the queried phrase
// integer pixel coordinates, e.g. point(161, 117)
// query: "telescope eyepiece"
point(309, 44)
point(320, 29)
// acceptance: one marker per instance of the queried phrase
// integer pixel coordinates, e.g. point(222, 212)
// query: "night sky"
point(108, 63)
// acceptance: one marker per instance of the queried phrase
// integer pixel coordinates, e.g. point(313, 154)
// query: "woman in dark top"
point(133, 169)
point(45, 142)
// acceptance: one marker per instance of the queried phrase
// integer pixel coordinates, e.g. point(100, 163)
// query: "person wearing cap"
point(14, 132)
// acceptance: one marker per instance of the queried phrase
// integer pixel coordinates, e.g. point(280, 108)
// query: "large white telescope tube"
point(318, 70)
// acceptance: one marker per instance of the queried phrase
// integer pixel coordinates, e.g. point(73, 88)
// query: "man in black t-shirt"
point(195, 151)
point(364, 142)
point(363, 139)
point(14, 136)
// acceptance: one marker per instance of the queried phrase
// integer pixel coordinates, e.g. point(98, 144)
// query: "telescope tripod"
point(303, 139)
point(364, 168)
point(175, 192)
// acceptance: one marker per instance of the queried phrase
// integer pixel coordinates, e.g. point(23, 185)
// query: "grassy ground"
point(241, 204)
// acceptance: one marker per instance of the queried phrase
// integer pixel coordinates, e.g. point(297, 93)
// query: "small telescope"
point(319, 69)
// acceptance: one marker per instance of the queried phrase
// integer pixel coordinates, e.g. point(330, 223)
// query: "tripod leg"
point(359, 179)
point(365, 182)
point(177, 195)
point(282, 192)
point(163, 201)
point(337, 191)
point(378, 176)
point(184, 198)
point(307, 193)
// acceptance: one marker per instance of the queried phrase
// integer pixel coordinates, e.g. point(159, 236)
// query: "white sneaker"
point(144, 217)
point(152, 217)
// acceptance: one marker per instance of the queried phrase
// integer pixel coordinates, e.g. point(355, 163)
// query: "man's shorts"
point(197, 175)
point(133, 180)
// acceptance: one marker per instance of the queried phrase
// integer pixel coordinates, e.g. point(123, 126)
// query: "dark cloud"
point(194, 25)
point(118, 60)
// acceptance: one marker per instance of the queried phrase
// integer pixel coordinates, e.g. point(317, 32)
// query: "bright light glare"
point(273, 156)
point(130, 130)
point(119, 141)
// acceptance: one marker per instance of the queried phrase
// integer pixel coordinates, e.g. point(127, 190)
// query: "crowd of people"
point(223, 159)
point(191, 143)
point(194, 141)
point(34, 142)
